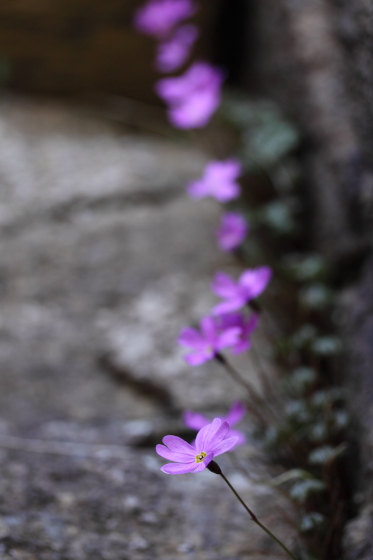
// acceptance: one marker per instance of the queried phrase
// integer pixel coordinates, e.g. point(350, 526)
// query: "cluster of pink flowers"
point(191, 99)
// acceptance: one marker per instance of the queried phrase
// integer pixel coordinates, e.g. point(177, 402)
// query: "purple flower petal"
point(171, 54)
point(196, 110)
point(192, 97)
point(172, 455)
point(227, 192)
point(211, 435)
point(198, 358)
point(224, 445)
point(218, 181)
point(159, 17)
point(194, 420)
point(232, 231)
point(256, 280)
point(205, 434)
point(223, 285)
point(220, 434)
point(228, 170)
point(229, 337)
point(208, 328)
point(197, 190)
point(197, 78)
point(229, 305)
point(253, 322)
point(191, 337)
point(250, 285)
point(241, 346)
point(245, 326)
point(236, 413)
point(179, 468)
point(174, 443)
point(205, 343)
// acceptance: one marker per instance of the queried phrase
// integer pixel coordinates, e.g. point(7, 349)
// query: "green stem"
point(256, 402)
point(256, 520)
point(234, 373)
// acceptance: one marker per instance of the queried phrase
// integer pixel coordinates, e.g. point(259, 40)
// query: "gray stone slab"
point(103, 259)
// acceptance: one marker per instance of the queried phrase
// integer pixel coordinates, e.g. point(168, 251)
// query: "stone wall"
point(76, 46)
point(315, 58)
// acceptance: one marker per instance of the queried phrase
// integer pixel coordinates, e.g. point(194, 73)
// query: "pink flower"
point(196, 421)
point(246, 326)
point(219, 180)
point(159, 17)
point(192, 97)
point(249, 286)
point(208, 341)
point(232, 231)
point(212, 440)
point(173, 52)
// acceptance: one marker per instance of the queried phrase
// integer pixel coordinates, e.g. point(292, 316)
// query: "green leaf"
point(279, 217)
point(321, 455)
point(340, 418)
point(316, 297)
point(266, 136)
point(304, 336)
point(269, 141)
point(326, 346)
point(298, 411)
point(322, 399)
point(299, 381)
point(319, 432)
point(312, 520)
point(305, 488)
point(289, 475)
point(305, 268)
point(325, 454)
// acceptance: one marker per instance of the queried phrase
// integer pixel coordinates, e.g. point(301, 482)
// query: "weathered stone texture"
point(316, 60)
point(358, 335)
point(103, 259)
point(300, 64)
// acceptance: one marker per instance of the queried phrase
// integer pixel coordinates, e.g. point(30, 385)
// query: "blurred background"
point(103, 259)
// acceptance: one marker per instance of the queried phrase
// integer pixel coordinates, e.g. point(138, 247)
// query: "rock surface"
point(300, 64)
point(102, 260)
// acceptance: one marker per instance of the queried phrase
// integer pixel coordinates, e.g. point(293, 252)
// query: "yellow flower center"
point(200, 457)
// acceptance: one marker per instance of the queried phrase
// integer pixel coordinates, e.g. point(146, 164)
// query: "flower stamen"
point(200, 457)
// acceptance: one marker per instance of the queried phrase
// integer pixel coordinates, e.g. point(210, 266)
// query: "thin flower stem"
point(256, 401)
point(234, 373)
point(255, 519)
point(255, 405)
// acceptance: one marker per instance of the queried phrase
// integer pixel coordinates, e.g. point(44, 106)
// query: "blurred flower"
point(159, 17)
point(208, 341)
point(212, 440)
point(249, 286)
point(232, 231)
point(246, 326)
point(173, 52)
point(218, 180)
point(192, 97)
point(196, 421)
